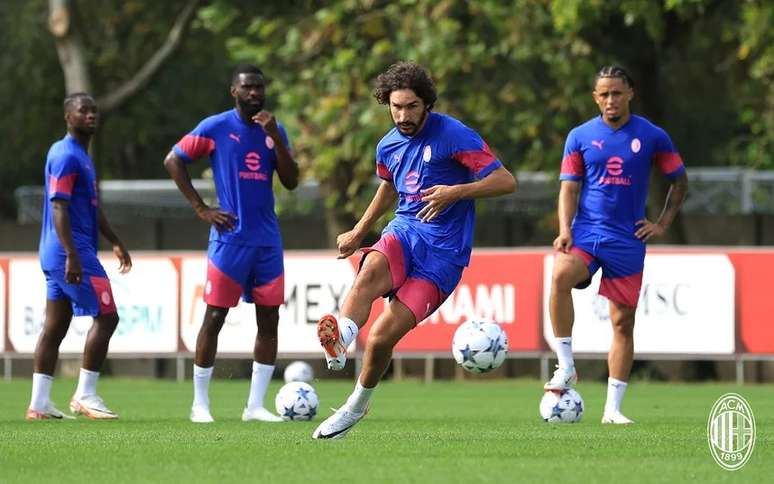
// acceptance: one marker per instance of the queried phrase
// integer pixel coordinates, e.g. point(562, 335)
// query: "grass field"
point(471, 432)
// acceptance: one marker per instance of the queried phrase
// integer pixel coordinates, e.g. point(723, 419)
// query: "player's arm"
point(438, 197)
point(177, 169)
point(61, 216)
point(385, 198)
point(119, 249)
point(566, 208)
point(287, 168)
point(678, 189)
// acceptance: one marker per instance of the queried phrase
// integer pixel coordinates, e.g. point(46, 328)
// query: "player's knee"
point(563, 279)
point(108, 322)
point(379, 342)
point(623, 323)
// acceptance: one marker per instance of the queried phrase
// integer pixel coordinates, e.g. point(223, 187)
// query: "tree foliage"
point(518, 71)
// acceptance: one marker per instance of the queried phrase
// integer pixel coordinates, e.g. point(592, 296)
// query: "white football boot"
point(93, 407)
point(48, 413)
point(616, 418)
point(337, 425)
point(563, 379)
point(260, 414)
point(330, 339)
point(201, 414)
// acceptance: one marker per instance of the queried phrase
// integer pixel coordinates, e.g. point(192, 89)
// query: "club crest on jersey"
point(427, 154)
point(269, 142)
point(636, 145)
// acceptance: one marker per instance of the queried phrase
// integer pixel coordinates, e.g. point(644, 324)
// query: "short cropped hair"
point(405, 75)
point(71, 99)
point(245, 69)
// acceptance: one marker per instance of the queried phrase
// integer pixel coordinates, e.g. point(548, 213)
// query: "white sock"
point(201, 380)
point(87, 383)
point(348, 330)
point(358, 401)
point(258, 384)
point(615, 393)
point(564, 352)
point(41, 391)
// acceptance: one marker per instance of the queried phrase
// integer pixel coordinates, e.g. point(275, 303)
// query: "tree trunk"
point(69, 47)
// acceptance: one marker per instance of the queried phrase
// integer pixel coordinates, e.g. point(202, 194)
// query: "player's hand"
point(648, 229)
point(563, 243)
point(348, 243)
point(124, 258)
point(267, 122)
point(73, 269)
point(437, 197)
point(223, 221)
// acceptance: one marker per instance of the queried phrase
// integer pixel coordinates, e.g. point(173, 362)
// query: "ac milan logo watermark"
point(731, 431)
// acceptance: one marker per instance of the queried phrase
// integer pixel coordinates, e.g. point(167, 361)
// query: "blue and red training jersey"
point(443, 152)
point(70, 176)
point(243, 161)
point(614, 166)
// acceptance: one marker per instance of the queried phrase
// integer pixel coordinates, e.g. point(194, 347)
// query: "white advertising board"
point(314, 286)
point(686, 305)
point(146, 299)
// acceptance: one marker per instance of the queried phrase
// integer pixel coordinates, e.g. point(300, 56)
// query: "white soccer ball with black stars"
point(297, 401)
point(561, 406)
point(479, 346)
point(299, 371)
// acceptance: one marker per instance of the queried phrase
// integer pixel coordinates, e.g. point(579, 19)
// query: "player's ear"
point(232, 89)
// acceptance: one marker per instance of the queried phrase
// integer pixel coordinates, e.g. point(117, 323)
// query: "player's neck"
point(82, 139)
point(618, 122)
point(245, 117)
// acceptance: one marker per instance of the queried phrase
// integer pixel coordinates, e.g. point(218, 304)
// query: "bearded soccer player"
point(76, 283)
point(602, 224)
point(245, 146)
point(434, 167)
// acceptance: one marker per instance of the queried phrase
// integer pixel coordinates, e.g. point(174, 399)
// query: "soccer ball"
point(296, 401)
point(479, 346)
point(299, 371)
point(561, 407)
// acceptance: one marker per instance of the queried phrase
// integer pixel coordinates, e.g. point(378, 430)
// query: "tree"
point(518, 71)
point(63, 25)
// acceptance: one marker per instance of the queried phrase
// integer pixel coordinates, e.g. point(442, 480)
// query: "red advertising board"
point(754, 300)
point(505, 286)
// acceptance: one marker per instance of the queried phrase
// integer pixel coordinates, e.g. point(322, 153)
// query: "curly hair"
point(405, 75)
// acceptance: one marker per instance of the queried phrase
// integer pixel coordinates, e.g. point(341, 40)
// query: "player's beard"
point(249, 109)
point(415, 126)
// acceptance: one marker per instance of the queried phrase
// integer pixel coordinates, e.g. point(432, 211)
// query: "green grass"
point(487, 431)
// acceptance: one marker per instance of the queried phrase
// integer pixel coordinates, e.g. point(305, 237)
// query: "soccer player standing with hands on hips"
point(604, 187)
point(76, 283)
point(434, 167)
point(245, 146)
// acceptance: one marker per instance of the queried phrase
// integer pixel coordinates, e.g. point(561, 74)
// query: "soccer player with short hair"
point(604, 186)
point(76, 282)
point(245, 145)
point(434, 167)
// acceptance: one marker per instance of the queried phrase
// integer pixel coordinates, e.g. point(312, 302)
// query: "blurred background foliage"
point(518, 71)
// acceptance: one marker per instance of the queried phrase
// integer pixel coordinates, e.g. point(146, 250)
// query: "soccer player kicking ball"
point(434, 166)
point(245, 146)
point(604, 186)
point(76, 283)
